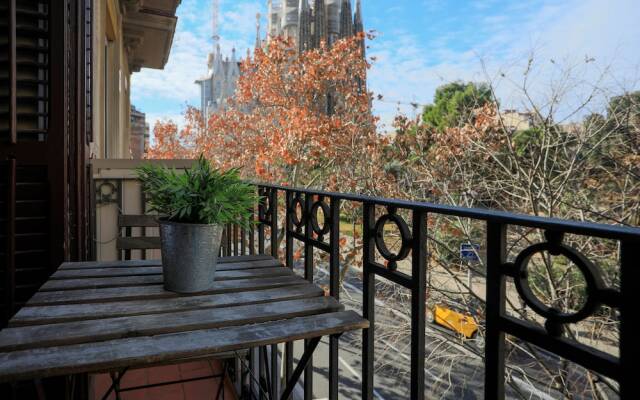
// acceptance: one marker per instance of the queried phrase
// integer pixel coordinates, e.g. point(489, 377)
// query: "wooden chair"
point(125, 243)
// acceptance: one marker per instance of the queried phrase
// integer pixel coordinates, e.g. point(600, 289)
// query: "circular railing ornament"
point(405, 236)
point(106, 192)
point(297, 222)
point(326, 225)
point(555, 318)
point(265, 201)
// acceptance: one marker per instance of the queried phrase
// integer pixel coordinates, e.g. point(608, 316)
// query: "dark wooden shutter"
point(45, 89)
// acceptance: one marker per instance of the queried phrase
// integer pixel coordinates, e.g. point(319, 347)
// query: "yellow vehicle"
point(447, 316)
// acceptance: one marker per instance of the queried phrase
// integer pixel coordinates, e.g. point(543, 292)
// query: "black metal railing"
point(288, 222)
point(315, 234)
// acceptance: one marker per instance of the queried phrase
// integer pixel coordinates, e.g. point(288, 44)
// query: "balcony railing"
point(303, 227)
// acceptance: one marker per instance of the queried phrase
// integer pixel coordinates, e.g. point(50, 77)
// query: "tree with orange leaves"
point(298, 119)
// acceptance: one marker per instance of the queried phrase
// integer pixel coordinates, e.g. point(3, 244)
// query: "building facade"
point(219, 84)
point(515, 120)
point(127, 35)
point(139, 134)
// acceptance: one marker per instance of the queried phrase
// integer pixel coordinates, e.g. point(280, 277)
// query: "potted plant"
point(193, 207)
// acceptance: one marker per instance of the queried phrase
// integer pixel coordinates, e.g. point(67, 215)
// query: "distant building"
point(219, 84)
point(516, 120)
point(139, 135)
point(308, 23)
point(575, 128)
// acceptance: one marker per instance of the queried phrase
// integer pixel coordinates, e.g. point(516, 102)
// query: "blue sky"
point(422, 44)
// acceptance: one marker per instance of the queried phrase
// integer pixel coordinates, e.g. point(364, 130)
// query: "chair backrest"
point(125, 243)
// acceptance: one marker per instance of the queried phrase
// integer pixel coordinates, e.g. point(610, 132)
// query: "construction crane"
point(215, 24)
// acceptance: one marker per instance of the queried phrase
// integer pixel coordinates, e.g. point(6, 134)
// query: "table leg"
point(115, 384)
point(264, 361)
point(306, 357)
point(238, 374)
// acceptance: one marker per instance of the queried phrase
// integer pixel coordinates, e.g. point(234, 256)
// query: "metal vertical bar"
point(143, 211)
point(308, 247)
point(273, 202)
point(235, 239)
point(334, 291)
point(263, 373)
point(308, 275)
point(121, 210)
point(288, 228)
point(368, 300)
point(237, 369)
point(288, 347)
point(418, 300)
point(13, 120)
point(252, 248)
point(243, 241)
point(288, 362)
point(265, 368)
point(261, 217)
point(275, 371)
point(229, 238)
point(629, 344)
point(92, 207)
point(495, 303)
point(254, 373)
point(10, 270)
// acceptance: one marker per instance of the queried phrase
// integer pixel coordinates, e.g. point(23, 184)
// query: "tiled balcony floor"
point(195, 390)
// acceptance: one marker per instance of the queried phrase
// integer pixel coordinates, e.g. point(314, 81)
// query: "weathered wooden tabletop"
point(102, 316)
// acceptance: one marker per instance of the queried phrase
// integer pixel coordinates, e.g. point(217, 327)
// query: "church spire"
point(217, 60)
point(258, 42)
point(269, 18)
point(304, 26)
point(346, 23)
point(319, 23)
point(358, 26)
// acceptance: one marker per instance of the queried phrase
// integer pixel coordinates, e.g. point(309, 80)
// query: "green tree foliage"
point(453, 104)
point(526, 138)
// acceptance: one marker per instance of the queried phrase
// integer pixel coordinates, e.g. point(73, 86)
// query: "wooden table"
point(105, 316)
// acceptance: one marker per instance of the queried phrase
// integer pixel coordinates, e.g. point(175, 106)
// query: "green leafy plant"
point(200, 195)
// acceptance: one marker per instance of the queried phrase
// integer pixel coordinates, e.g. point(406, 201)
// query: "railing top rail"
point(617, 232)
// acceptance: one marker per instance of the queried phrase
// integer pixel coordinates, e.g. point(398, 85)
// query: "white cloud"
point(176, 81)
point(565, 32)
point(174, 86)
point(240, 20)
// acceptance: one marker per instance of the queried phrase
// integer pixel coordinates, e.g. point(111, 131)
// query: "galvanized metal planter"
point(189, 255)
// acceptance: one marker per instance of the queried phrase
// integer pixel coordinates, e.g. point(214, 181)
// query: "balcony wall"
point(117, 191)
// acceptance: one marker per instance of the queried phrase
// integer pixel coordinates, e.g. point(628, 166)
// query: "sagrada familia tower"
point(311, 24)
point(308, 23)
